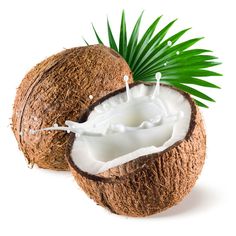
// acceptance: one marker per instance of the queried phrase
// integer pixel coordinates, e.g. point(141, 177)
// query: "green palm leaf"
point(133, 40)
point(183, 58)
point(193, 65)
point(85, 41)
point(153, 43)
point(192, 91)
point(181, 70)
point(123, 36)
point(201, 104)
point(97, 36)
point(192, 80)
point(143, 41)
point(112, 41)
point(179, 65)
point(195, 52)
point(157, 53)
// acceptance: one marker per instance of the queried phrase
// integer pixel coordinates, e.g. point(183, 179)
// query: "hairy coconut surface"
point(61, 88)
point(148, 184)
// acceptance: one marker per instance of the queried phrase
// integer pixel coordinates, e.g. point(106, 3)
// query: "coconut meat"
point(141, 121)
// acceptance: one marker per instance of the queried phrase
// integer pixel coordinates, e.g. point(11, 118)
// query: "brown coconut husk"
point(151, 183)
point(59, 89)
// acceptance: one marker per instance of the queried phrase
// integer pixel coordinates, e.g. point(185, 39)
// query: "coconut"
point(140, 151)
point(61, 88)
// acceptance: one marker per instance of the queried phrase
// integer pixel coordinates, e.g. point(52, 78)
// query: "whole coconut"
point(61, 88)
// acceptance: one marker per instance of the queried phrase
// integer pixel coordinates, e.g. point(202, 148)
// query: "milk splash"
point(88, 128)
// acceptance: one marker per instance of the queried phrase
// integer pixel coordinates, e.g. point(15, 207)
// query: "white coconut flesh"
point(141, 121)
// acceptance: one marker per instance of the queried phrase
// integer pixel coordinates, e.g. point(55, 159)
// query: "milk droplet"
point(169, 43)
point(157, 87)
point(126, 78)
point(68, 131)
point(55, 125)
point(90, 97)
point(177, 53)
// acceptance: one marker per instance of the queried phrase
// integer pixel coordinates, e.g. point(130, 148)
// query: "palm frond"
point(143, 42)
point(179, 65)
point(158, 53)
point(156, 40)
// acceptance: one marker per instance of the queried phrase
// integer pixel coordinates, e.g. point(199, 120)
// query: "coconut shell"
point(151, 183)
point(59, 89)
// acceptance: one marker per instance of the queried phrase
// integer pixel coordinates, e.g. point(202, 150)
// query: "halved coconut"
point(140, 151)
point(60, 88)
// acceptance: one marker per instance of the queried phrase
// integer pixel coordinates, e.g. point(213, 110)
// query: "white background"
point(41, 202)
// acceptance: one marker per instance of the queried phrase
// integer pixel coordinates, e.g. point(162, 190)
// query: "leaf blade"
point(192, 72)
point(85, 41)
point(97, 36)
point(112, 41)
point(201, 104)
point(158, 51)
point(192, 91)
point(153, 43)
point(133, 39)
point(145, 38)
point(123, 36)
point(194, 81)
